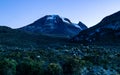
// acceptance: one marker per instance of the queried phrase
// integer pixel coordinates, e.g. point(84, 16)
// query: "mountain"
point(38, 34)
point(107, 30)
point(54, 25)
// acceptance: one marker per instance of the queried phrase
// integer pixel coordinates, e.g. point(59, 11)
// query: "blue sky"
point(18, 13)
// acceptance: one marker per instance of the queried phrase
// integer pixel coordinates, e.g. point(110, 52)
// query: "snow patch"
point(51, 17)
point(76, 25)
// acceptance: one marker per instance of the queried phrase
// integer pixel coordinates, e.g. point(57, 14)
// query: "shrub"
point(8, 67)
point(72, 66)
point(54, 69)
point(30, 67)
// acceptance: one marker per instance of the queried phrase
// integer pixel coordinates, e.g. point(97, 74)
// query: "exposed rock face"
point(83, 26)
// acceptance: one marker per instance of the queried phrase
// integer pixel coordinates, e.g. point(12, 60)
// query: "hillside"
point(19, 40)
point(107, 31)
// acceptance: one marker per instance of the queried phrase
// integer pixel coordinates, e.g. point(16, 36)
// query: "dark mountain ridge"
point(107, 29)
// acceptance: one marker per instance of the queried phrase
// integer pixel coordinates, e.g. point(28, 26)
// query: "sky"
point(19, 13)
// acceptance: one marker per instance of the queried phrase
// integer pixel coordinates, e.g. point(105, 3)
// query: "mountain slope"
point(54, 25)
point(19, 40)
point(107, 30)
point(12, 38)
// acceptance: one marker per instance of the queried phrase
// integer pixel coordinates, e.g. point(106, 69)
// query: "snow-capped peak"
point(52, 17)
point(54, 25)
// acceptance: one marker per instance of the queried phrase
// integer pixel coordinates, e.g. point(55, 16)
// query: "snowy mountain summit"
point(54, 25)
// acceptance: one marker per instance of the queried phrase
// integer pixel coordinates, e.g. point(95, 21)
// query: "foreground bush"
point(73, 66)
point(30, 67)
point(8, 67)
point(54, 69)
